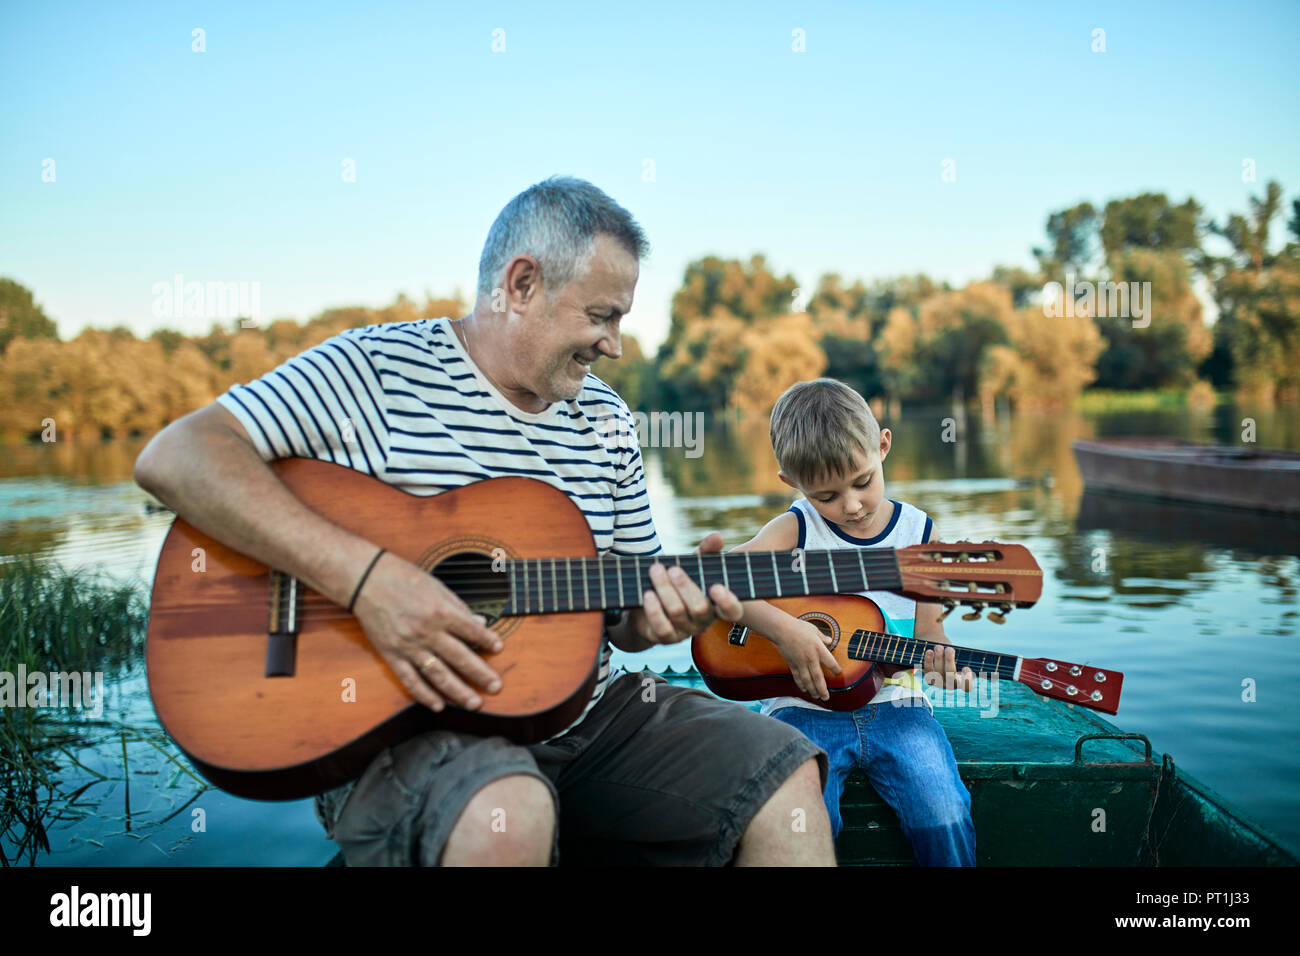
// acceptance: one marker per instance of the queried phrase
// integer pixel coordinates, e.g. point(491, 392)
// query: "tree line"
point(739, 334)
point(110, 383)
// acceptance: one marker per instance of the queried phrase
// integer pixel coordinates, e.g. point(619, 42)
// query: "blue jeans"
point(906, 756)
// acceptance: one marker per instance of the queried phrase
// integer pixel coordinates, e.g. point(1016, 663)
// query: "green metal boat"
point(1053, 784)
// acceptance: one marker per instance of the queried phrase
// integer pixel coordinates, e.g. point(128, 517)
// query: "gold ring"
point(432, 660)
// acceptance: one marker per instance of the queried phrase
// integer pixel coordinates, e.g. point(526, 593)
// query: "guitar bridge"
point(738, 635)
point(282, 625)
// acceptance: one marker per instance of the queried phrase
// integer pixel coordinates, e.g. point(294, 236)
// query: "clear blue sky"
point(226, 165)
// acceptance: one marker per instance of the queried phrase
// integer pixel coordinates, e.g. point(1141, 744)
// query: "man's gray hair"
point(556, 221)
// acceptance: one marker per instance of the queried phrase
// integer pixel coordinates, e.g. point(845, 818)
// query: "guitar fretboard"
point(867, 645)
point(561, 585)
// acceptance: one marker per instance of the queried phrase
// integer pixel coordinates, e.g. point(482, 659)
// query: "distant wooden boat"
point(1237, 476)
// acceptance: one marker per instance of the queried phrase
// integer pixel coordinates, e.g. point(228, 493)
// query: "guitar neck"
point(561, 585)
point(885, 648)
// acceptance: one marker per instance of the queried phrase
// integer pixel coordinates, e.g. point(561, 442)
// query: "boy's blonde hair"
point(817, 427)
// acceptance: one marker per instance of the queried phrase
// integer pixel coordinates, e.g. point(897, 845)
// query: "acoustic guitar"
point(740, 664)
point(275, 692)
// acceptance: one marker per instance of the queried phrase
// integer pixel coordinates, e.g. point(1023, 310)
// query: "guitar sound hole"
point(826, 628)
point(471, 576)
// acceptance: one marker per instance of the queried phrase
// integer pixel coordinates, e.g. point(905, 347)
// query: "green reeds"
point(54, 620)
point(1106, 400)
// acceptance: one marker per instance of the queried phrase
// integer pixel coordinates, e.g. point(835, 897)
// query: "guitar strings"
point(469, 585)
point(557, 576)
point(553, 572)
point(556, 589)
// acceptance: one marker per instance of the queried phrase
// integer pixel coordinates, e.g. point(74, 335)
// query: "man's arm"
point(206, 468)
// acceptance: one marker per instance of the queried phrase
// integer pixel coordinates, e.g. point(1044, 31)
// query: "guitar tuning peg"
point(974, 614)
point(997, 617)
point(949, 605)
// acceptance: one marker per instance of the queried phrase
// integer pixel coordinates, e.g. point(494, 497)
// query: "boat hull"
point(1237, 477)
point(1038, 771)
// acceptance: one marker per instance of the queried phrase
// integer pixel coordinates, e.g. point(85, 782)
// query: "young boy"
point(831, 449)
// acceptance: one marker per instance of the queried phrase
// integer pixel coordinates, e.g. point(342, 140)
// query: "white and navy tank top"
point(907, 525)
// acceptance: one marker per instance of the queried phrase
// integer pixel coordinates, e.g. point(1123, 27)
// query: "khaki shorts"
point(654, 775)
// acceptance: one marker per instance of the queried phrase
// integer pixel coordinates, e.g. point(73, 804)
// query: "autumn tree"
point(31, 382)
point(747, 291)
point(1143, 238)
point(1168, 344)
point(631, 375)
point(937, 353)
point(705, 348)
point(849, 323)
point(21, 317)
point(1073, 235)
point(1150, 221)
point(1022, 284)
point(109, 383)
point(1046, 362)
point(702, 367)
point(1258, 295)
point(778, 352)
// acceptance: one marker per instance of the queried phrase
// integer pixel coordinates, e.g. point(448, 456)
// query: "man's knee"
point(793, 827)
point(804, 783)
point(806, 780)
point(509, 822)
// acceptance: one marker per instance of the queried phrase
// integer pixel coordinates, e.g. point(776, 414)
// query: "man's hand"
point(677, 609)
point(806, 652)
point(426, 634)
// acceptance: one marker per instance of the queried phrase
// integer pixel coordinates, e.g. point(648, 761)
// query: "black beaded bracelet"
point(357, 592)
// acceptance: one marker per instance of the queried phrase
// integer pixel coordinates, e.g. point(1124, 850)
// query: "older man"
point(671, 777)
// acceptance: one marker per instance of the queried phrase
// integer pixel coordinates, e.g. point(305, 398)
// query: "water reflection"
point(1247, 534)
point(84, 462)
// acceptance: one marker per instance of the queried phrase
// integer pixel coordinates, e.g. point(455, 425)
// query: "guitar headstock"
point(1079, 684)
point(987, 575)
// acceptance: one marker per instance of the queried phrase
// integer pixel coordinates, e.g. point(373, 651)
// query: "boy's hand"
point(805, 651)
point(942, 672)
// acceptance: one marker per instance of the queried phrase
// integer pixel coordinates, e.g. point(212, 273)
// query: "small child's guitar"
point(740, 664)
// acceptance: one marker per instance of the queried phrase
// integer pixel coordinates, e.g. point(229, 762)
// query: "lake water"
point(1194, 605)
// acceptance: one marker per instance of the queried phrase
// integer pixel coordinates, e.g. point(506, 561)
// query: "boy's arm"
point(929, 627)
point(801, 644)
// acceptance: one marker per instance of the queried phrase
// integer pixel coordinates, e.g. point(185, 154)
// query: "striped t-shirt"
point(405, 403)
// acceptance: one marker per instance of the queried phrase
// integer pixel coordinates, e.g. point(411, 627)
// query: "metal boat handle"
point(1078, 744)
